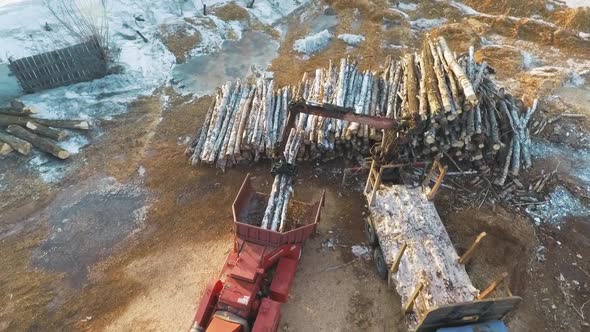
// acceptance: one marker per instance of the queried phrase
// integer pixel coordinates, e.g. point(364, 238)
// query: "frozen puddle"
point(202, 74)
point(86, 222)
point(9, 87)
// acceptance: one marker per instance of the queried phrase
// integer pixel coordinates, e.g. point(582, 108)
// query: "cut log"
point(39, 142)
point(41, 130)
point(7, 120)
point(5, 149)
point(25, 111)
point(458, 71)
point(21, 146)
point(411, 84)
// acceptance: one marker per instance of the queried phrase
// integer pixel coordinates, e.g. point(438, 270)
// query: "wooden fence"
point(78, 63)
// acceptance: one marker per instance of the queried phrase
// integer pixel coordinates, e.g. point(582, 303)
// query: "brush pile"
point(275, 214)
point(446, 106)
point(23, 132)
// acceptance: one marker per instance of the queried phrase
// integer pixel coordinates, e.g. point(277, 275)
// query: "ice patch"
point(201, 75)
point(352, 40)
point(427, 23)
point(269, 12)
point(313, 43)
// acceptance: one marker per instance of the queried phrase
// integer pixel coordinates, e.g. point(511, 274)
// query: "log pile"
point(448, 107)
point(275, 215)
point(23, 132)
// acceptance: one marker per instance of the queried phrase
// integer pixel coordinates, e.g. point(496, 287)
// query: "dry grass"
point(509, 7)
point(231, 12)
point(180, 39)
point(289, 68)
point(505, 60)
point(573, 18)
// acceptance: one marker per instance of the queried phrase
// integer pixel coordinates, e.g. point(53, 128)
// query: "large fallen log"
point(21, 146)
point(7, 120)
point(17, 107)
point(41, 130)
point(404, 217)
point(39, 142)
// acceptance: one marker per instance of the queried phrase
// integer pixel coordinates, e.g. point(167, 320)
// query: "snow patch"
point(74, 143)
point(427, 23)
point(361, 251)
point(352, 40)
point(577, 3)
point(141, 171)
point(407, 6)
point(313, 43)
point(529, 60)
point(574, 80)
point(560, 204)
point(270, 12)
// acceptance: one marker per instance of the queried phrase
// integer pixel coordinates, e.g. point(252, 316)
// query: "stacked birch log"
point(275, 215)
point(24, 132)
point(447, 106)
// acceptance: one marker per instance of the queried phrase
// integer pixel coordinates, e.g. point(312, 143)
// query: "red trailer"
point(258, 273)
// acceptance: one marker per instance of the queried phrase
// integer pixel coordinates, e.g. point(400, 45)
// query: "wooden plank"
point(398, 258)
point(410, 304)
point(467, 255)
point(492, 286)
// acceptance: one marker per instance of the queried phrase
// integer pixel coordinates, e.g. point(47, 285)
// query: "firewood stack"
point(275, 215)
point(447, 107)
point(23, 132)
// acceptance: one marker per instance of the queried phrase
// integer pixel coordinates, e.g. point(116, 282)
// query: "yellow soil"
point(231, 12)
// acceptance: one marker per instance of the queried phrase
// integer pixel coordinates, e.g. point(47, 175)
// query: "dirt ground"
point(129, 238)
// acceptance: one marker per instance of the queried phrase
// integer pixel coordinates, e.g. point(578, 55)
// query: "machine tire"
point(370, 232)
point(380, 264)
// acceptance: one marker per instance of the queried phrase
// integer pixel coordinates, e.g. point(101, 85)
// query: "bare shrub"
point(83, 20)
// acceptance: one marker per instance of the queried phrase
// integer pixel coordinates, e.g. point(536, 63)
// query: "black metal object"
point(282, 167)
point(330, 111)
